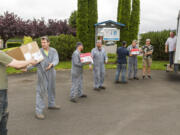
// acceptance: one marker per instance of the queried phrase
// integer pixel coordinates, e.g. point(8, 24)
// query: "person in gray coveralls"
point(77, 74)
point(46, 83)
point(132, 62)
point(99, 59)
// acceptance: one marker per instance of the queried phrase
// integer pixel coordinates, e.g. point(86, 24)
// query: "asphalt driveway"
point(144, 107)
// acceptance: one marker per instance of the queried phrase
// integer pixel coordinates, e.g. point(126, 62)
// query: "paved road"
point(144, 107)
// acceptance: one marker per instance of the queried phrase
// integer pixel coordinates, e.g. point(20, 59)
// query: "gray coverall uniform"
point(46, 80)
point(132, 63)
point(77, 77)
point(99, 58)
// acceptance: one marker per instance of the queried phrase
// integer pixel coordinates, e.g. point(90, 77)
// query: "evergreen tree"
point(72, 19)
point(134, 20)
point(125, 19)
point(119, 10)
point(82, 22)
point(92, 19)
point(119, 15)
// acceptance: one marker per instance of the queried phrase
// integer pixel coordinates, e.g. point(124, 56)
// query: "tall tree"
point(119, 10)
point(134, 20)
point(92, 19)
point(119, 15)
point(125, 19)
point(72, 19)
point(82, 22)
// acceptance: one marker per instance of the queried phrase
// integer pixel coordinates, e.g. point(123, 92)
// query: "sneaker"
point(130, 79)
point(39, 116)
point(83, 96)
point(149, 77)
point(102, 87)
point(136, 78)
point(143, 76)
point(73, 100)
point(56, 107)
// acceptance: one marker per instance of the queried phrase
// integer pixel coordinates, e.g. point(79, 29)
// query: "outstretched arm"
point(21, 64)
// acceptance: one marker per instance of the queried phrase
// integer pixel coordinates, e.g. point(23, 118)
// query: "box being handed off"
point(27, 52)
point(135, 51)
point(86, 58)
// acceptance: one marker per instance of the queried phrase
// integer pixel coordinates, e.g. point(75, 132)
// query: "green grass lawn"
point(156, 65)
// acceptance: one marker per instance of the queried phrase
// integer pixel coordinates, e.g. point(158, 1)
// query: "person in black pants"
point(170, 46)
point(5, 61)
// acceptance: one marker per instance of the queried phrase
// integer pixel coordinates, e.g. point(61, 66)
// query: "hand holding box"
point(135, 52)
point(86, 58)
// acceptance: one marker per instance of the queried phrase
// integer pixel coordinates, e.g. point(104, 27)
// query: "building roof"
point(111, 22)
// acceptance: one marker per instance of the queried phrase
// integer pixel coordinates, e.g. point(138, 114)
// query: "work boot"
point(56, 107)
point(102, 87)
point(40, 116)
point(83, 96)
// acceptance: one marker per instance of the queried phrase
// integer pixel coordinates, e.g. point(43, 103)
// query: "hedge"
point(64, 44)
point(158, 40)
point(27, 40)
point(13, 44)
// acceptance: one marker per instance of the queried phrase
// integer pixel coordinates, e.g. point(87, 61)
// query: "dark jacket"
point(122, 52)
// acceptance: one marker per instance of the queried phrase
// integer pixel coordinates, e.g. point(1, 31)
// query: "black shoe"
point(73, 100)
point(83, 96)
point(116, 82)
point(143, 76)
point(149, 77)
point(97, 89)
point(136, 78)
point(124, 82)
point(102, 87)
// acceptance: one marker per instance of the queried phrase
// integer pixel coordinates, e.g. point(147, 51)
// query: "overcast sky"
point(155, 14)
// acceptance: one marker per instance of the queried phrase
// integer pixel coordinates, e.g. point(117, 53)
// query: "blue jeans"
point(3, 112)
point(121, 69)
point(171, 58)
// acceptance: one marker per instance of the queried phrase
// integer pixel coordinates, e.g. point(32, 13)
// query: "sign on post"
point(111, 34)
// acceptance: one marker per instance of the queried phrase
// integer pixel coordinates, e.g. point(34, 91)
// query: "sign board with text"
point(111, 34)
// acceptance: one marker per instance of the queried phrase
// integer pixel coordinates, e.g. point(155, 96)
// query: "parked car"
point(109, 43)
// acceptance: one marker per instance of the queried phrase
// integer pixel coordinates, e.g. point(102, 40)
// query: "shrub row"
point(158, 40)
point(64, 44)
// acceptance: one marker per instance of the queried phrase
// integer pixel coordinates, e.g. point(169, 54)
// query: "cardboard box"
point(135, 51)
point(86, 58)
point(27, 52)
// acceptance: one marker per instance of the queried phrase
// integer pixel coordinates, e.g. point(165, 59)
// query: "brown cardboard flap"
point(16, 54)
point(31, 50)
point(27, 52)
